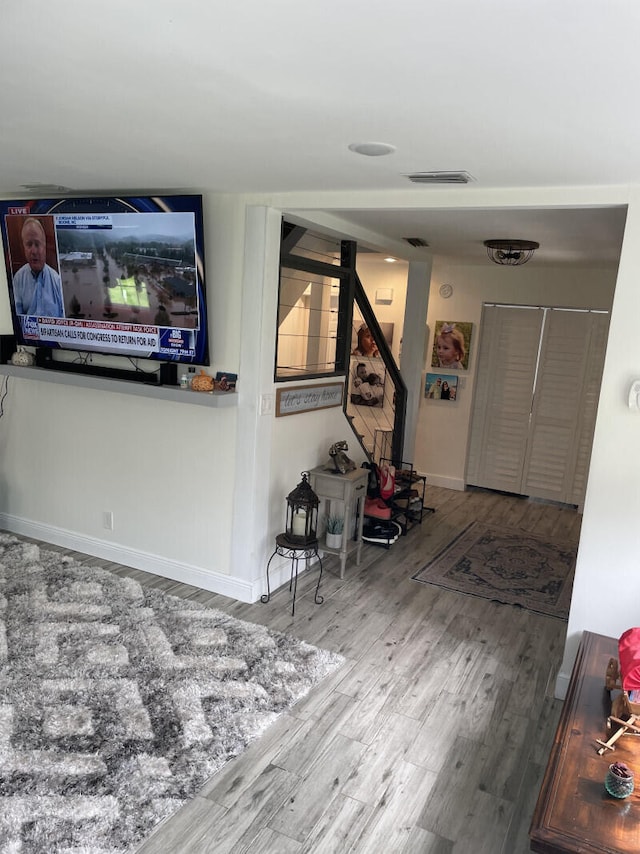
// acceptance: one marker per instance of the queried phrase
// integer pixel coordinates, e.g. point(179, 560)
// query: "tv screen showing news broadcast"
point(113, 275)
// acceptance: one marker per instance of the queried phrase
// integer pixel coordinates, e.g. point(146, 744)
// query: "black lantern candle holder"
point(302, 514)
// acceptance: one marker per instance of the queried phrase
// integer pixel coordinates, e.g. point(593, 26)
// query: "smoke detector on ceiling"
point(440, 177)
point(372, 149)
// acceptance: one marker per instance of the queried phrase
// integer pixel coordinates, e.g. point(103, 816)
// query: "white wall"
point(271, 452)
point(68, 454)
point(166, 470)
point(607, 584)
point(197, 493)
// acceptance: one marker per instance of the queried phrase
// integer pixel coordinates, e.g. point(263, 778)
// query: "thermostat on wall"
point(445, 291)
point(634, 396)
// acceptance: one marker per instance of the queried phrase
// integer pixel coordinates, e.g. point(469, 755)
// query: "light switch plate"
point(266, 404)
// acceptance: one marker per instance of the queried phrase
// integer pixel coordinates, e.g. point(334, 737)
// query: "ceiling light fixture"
point(390, 260)
point(372, 149)
point(511, 253)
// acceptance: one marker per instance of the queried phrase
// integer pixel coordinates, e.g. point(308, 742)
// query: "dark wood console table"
point(574, 813)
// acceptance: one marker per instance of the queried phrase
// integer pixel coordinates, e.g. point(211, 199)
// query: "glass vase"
point(617, 785)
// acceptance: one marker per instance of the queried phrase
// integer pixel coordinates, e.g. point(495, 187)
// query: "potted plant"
point(335, 527)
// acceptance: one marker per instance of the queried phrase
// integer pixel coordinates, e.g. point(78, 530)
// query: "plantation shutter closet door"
point(564, 407)
point(563, 400)
point(506, 373)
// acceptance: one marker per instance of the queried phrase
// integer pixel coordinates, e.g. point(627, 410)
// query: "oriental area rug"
point(506, 565)
point(117, 703)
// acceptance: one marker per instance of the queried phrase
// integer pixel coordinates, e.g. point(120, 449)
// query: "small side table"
point(351, 490)
point(294, 552)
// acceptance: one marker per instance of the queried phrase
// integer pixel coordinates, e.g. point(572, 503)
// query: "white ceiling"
point(566, 236)
point(265, 97)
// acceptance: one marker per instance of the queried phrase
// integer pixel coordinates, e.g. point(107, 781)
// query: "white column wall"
point(252, 538)
point(607, 584)
point(414, 342)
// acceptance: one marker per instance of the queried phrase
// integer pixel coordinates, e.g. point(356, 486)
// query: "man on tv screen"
point(37, 287)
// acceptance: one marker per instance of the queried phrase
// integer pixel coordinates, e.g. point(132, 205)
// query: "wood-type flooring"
point(433, 736)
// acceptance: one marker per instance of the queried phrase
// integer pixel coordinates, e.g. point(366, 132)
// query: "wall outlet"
point(107, 520)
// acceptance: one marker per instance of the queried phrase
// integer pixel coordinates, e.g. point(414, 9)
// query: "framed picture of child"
point(451, 345)
point(366, 381)
point(441, 386)
point(362, 343)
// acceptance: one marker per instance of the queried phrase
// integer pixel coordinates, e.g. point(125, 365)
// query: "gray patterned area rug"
point(506, 565)
point(117, 703)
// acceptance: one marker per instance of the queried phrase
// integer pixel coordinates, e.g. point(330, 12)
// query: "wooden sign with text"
point(305, 398)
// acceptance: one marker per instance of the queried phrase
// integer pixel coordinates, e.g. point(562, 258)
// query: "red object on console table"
point(574, 812)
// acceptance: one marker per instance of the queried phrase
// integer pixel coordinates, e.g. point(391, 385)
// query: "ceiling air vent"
point(416, 241)
point(45, 188)
point(440, 177)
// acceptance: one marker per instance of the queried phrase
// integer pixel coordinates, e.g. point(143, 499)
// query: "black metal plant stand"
point(294, 552)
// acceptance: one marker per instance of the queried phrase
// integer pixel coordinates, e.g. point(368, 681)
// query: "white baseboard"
point(562, 685)
point(216, 582)
point(447, 482)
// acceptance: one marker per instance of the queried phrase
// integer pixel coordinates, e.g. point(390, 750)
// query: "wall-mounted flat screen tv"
point(113, 275)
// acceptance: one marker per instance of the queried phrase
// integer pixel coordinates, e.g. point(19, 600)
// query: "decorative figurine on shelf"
point(202, 382)
point(22, 358)
point(339, 459)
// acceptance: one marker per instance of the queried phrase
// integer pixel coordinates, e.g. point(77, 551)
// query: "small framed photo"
point(451, 345)
point(226, 381)
point(366, 381)
point(441, 387)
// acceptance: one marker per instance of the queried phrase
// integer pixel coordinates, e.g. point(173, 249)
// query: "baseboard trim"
point(562, 686)
point(446, 482)
point(215, 582)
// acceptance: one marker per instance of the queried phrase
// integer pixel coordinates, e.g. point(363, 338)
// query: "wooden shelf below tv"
point(159, 392)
